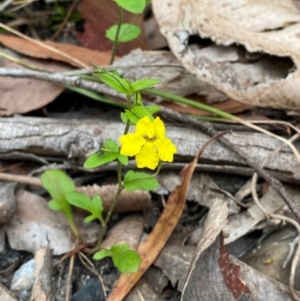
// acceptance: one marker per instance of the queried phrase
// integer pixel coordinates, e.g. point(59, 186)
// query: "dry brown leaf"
point(99, 16)
point(22, 95)
point(29, 48)
point(175, 261)
point(128, 230)
point(128, 201)
point(262, 70)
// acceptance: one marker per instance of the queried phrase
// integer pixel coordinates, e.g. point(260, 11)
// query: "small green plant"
point(125, 32)
point(148, 144)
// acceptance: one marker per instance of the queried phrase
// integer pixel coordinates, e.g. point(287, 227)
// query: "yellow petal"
point(131, 144)
point(147, 157)
point(143, 125)
point(165, 148)
point(159, 126)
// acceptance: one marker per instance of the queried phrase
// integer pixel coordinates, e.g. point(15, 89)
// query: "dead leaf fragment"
point(253, 56)
point(85, 55)
point(128, 230)
point(128, 201)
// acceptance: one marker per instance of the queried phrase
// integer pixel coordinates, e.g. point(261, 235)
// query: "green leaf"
point(133, 6)
point(82, 201)
point(141, 112)
point(117, 83)
point(123, 159)
point(58, 184)
point(126, 261)
point(101, 254)
point(144, 84)
point(153, 109)
point(139, 181)
point(127, 33)
point(96, 159)
point(112, 145)
point(123, 117)
point(131, 117)
point(138, 98)
point(89, 218)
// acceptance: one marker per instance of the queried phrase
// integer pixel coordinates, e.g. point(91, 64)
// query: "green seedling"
point(125, 260)
point(58, 185)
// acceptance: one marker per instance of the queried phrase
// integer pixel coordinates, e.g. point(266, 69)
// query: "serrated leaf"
point(123, 159)
point(144, 83)
point(126, 261)
point(117, 83)
point(127, 32)
point(96, 159)
point(101, 254)
point(133, 6)
point(139, 181)
point(112, 145)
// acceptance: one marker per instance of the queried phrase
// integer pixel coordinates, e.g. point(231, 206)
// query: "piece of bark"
point(42, 288)
point(128, 230)
point(7, 201)
point(128, 201)
point(5, 294)
point(77, 139)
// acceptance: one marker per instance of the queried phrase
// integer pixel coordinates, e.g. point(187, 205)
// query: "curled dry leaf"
point(128, 230)
point(253, 55)
point(128, 201)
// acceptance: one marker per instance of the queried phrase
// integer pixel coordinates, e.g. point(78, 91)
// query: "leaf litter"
point(252, 79)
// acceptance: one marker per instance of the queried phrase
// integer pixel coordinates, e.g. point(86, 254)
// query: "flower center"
point(150, 139)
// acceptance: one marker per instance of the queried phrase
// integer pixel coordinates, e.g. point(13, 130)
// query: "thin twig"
point(69, 278)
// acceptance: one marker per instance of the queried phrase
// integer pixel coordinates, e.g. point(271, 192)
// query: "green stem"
point(116, 41)
point(190, 102)
point(111, 208)
point(74, 230)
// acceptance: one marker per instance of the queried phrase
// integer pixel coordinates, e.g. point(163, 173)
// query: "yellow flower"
point(148, 144)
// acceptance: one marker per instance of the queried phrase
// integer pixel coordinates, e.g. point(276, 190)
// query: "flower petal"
point(147, 157)
point(159, 126)
point(143, 125)
point(131, 144)
point(165, 148)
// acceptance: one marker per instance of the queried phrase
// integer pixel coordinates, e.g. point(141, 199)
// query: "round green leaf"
point(127, 33)
point(139, 181)
point(133, 6)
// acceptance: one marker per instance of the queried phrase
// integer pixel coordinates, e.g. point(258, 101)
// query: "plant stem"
point(116, 41)
point(190, 102)
point(112, 207)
